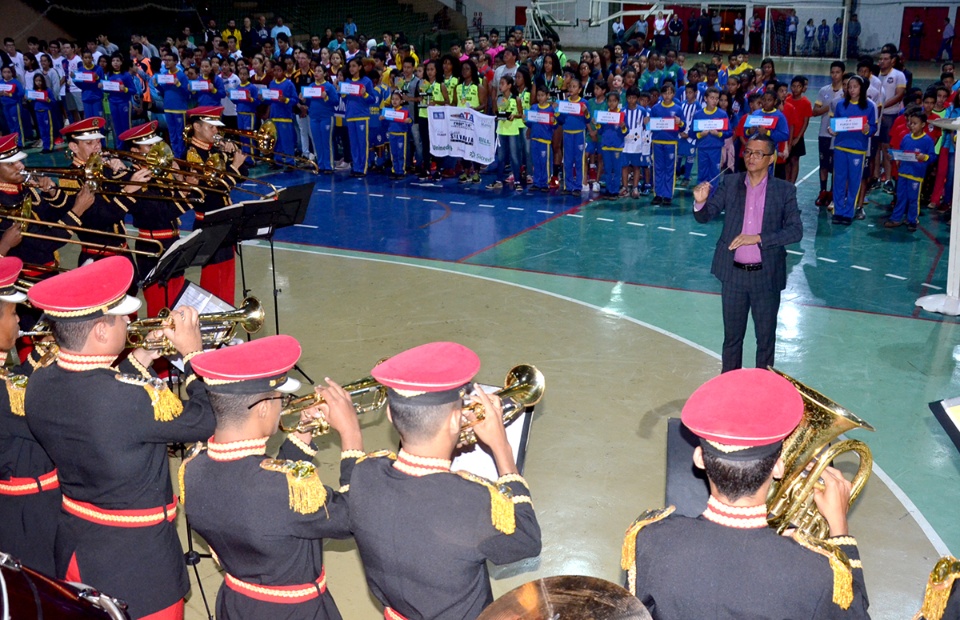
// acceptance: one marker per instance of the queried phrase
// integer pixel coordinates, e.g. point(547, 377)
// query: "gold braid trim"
point(376, 455)
point(190, 356)
point(628, 552)
point(140, 367)
point(839, 564)
point(501, 503)
point(307, 493)
point(303, 447)
point(944, 573)
point(344, 489)
point(194, 452)
point(842, 540)
point(352, 454)
point(512, 478)
point(16, 390)
point(190, 379)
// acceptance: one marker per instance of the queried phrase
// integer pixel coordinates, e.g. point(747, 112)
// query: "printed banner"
point(349, 89)
point(239, 95)
point(755, 120)
point(609, 118)
point(199, 85)
point(462, 132)
point(314, 92)
point(7, 88)
point(270, 94)
point(113, 87)
point(81, 76)
point(542, 118)
point(904, 155)
point(395, 115)
point(567, 107)
point(663, 124)
point(166, 78)
point(854, 123)
point(711, 124)
point(36, 95)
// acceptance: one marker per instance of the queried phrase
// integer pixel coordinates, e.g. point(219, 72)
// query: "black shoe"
point(576, 193)
point(668, 202)
point(657, 200)
point(911, 227)
point(565, 192)
point(859, 214)
point(837, 219)
point(846, 221)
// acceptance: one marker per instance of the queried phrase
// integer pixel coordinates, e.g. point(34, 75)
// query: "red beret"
point(10, 267)
point(438, 367)
point(743, 409)
point(208, 113)
point(87, 292)
point(10, 150)
point(87, 129)
point(254, 367)
point(142, 134)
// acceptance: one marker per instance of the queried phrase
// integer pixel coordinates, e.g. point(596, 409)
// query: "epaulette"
point(944, 573)
point(307, 493)
point(68, 183)
point(377, 455)
point(628, 554)
point(501, 503)
point(166, 404)
point(839, 564)
point(193, 156)
point(195, 451)
point(16, 389)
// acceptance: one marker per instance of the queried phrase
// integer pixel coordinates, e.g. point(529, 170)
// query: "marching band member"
point(263, 518)
point(728, 558)
point(29, 487)
point(107, 428)
point(155, 219)
point(425, 533)
point(219, 276)
point(941, 600)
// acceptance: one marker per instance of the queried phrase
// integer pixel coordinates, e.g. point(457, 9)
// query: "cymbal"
point(567, 597)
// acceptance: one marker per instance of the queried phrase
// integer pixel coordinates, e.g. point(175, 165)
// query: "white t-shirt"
point(828, 96)
point(738, 26)
point(230, 83)
point(889, 84)
point(660, 26)
point(73, 66)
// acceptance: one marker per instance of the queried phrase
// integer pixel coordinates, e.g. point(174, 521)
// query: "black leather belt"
point(748, 266)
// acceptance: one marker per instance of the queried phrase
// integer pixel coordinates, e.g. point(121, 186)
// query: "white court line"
point(636, 224)
point(696, 234)
point(306, 226)
point(375, 195)
point(870, 225)
point(894, 276)
point(486, 206)
point(325, 191)
point(912, 510)
point(666, 229)
point(808, 175)
point(542, 211)
point(825, 259)
point(574, 215)
point(350, 193)
point(604, 219)
point(514, 209)
point(794, 252)
point(860, 268)
point(429, 200)
point(936, 288)
point(403, 197)
point(458, 203)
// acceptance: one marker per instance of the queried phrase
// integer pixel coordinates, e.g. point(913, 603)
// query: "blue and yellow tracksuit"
point(91, 94)
point(709, 146)
point(850, 154)
point(119, 102)
point(665, 151)
point(12, 102)
point(281, 113)
point(541, 146)
point(398, 133)
point(321, 111)
point(358, 122)
point(176, 101)
point(780, 132)
point(247, 111)
point(911, 178)
point(46, 112)
point(574, 154)
point(611, 148)
point(214, 95)
point(378, 133)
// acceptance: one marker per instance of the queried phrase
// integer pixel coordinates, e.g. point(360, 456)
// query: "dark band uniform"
point(155, 219)
point(29, 489)
point(941, 601)
point(46, 206)
point(219, 275)
point(107, 429)
point(265, 523)
point(425, 533)
point(727, 563)
point(107, 212)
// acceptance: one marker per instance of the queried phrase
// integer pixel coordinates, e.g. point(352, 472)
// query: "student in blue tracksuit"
point(91, 92)
point(358, 114)
point(710, 141)
point(687, 146)
point(665, 147)
point(850, 149)
point(176, 101)
point(912, 172)
point(780, 130)
point(281, 113)
point(541, 140)
point(11, 98)
point(215, 88)
point(119, 101)
point(45, 108)
point(321, 111)
point(574, 140)
point(398, 134)
point(247, 105)
point(611, 147)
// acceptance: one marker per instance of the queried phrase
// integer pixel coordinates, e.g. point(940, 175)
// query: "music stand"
point(193, 250)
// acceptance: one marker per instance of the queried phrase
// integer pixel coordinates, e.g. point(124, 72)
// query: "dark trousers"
point(737, 304)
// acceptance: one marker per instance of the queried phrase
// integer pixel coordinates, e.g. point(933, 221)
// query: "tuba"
point(522, 388)
point(367, 395)
point(790, 501)
point(217, 328)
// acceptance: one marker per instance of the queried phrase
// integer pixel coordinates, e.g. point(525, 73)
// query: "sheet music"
point(204, 302)
point(478, 460)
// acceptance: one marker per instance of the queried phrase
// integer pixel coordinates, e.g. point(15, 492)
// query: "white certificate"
point(7, 88)
point(904, 155)
point(271, 94)
point(755, 120)
point(609, 118)
point(166, 78)
point(711, 124)
point(239, 95)
point(314, 92)
point(199, 85)
point(113, 87)
point(854, 123)
point(35, 95)
point(395, 115)
point(349, 89)
point(663, 124)
point(539, 117)
point(80, 76)
point(568, 107)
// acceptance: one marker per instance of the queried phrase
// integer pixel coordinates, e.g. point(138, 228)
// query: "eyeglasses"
point(284, 399)
point(748, 154)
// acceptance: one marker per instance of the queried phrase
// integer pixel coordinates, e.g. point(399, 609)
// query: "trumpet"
point(265, 141)
point(367, 395)
point(790, 500)
point(217, 328)
point(522, 388)
point(23, 213)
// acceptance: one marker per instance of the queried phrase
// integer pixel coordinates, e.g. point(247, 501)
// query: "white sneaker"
point(342, 166)
point(311, 157)
point(596, 187)
point(585, 187)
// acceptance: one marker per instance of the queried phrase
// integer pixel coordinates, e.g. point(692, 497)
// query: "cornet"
point(522, 388)
point(360, 391)
point(217, 328)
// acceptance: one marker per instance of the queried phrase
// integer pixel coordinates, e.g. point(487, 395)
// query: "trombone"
point(265, 141)
point(367, 395)
point(23, 213)
point(217, 328)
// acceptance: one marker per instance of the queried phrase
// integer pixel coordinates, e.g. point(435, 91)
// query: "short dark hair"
point(917, 114)
point(711, 90)
point(418, 422)
point(232, 409)
point(72, 335)
point(838, 63)
point(737, 479)
point(760, 137)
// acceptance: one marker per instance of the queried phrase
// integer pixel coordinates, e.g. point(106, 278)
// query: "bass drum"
point(27, 594)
